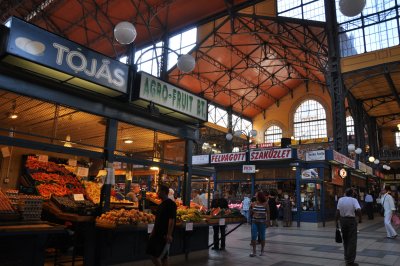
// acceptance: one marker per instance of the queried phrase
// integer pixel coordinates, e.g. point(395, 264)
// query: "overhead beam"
point(295, 57)
point(215, 88)
point(246, 58)
point(392, 87)
point(238, 76)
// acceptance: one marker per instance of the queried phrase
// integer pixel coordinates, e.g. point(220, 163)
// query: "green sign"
point(167, 95)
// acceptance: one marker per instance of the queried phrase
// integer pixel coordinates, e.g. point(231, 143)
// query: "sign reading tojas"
point(39, 46)
point(271, 154)
point(167, 95)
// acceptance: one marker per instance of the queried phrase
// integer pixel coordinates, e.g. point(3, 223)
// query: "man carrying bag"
point(347, 209)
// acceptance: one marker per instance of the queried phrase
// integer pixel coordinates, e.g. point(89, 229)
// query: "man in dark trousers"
point(219, 202)
point(161, 236)
point(347, 208)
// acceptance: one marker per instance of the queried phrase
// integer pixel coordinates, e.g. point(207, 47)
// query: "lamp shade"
point(371, 159)
point(125, 32)
point(358, 151)
point(186, 63)
point(229, 136)
point(351, 147)
point(351, 8)
point(376, 161)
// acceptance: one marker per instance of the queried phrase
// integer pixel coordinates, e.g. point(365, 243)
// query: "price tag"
point(150, 228)
point(117, 165)
point(78, 197)
point(189, 227)
point(72, 162)
point(222, 221)
point(82, 171)
point(43, 158)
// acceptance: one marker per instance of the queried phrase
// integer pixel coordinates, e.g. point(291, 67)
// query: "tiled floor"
point(293, 246)
point(305, 246)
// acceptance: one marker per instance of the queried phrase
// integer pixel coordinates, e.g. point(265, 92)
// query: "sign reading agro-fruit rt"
point(159, 92)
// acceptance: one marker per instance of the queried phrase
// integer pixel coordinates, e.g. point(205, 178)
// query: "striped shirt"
point(259, 213)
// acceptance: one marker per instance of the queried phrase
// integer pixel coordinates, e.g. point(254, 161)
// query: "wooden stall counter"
point(127, 243)
point(23, 243)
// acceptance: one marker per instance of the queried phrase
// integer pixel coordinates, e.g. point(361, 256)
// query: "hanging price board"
point(82, 171)
point(72, 162)
point(150, 228)
point(189, 227)
point(43, 158)
point(79, 197)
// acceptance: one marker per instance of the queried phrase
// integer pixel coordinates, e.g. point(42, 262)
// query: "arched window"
point(397, 134)
point(310, 121)
point(273, 134)
point(350, 125)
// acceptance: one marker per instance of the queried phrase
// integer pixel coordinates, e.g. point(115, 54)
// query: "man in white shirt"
point(369, 201)
point(246, 208)
point(347, 208)
point(389, 207)
point(203, 198)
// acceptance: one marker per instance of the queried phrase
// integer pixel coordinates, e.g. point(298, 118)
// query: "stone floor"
point(302, 246)
point(297, 246)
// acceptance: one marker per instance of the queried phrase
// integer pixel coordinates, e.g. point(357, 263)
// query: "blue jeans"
point(246, 214)
point(258, 229)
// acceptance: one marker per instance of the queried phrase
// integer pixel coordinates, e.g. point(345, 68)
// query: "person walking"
point(347, 208)
point(219, 202)
point(161, 235)
point(259, 212)
point(273, 209)
point(287, 210)
point(369, 205)
point(389, 207)
point(246, 208)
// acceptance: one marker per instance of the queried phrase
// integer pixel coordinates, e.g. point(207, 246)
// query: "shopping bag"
point(395, 220)
point(338, 236)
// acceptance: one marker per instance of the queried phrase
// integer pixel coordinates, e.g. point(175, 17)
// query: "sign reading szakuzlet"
point(167, 95)
point(338, 157)
point(41, 47)
point(271, 154)
point(235, 157)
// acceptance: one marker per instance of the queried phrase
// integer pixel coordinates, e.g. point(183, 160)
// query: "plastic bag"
point(395, 220)
point(338, 236)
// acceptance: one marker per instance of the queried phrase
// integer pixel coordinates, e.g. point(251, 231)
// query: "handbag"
point(338, 235)
point(396, 220)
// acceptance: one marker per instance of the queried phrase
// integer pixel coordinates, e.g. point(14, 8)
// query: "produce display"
point(93, 191)
point(67, 204)
point(218, 212)
point(122, 216)
point(188, 215)
point(153, 197)
point(52, 179)
point(32, 163)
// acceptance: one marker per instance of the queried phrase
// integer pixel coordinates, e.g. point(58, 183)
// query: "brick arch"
point(316, 98)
